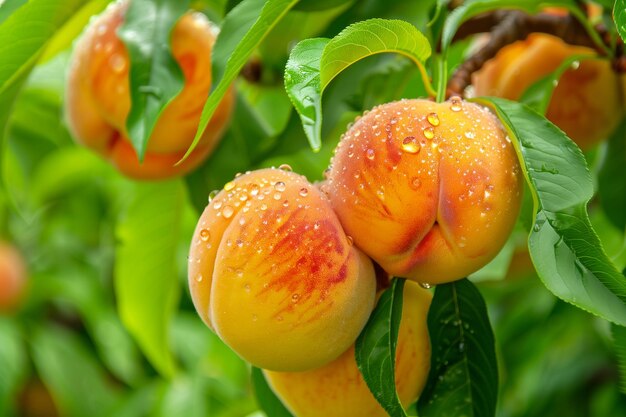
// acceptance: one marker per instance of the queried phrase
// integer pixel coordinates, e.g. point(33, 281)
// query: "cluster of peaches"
point(287, 272)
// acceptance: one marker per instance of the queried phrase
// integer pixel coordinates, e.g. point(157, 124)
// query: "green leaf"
point(314, 63)
point(267, 400)
point(155, 76)
point(565, 249)
point(302, 83)
point(373, 36)
point(7, 7)
point(319, 5)
point(463, 378)
point(619, 16)
point(375, 348)
point(23, 37)
point(243, 29)
point(538, 95)
point(611, 181)
point(76, 380)
point(619, 342)
point(146, 279)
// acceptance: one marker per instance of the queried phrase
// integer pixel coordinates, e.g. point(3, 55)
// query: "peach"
point(428, 190)
point(273, 274)
point(586, 104)
point(98, 100)
point(12, 278)
point(338, 389)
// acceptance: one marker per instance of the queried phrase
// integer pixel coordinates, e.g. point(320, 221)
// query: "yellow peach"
point(98, 99)
point(428, 190)
point(12, 277)
point(586, 104)
point(338, 389)
point(273, 274)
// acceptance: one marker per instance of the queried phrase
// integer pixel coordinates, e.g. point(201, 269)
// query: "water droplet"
point(416, 183)
point(227, 212)
point(470, 135)
point(118, 63)
point(357, 133)
point(327, 173)
point(410, 145)
point(280, 186)
point(229, 186)
point(425, 285)
point(242, 221)
point(277, 196)
point(285, 167)
point(350, 240)
point(304, 191)
point(263, 207)
point(246, 287)
point(295, 297)
point(286, 203)
point(455, 104)
point(316, 225)
point(199, 278)
point(205, 235)
point(428, 132)
point(254, 189)
point(369, 154)
point(433, 119)
point(212, 195)
point(217, 205)
point(279, 318)
point(575, 65)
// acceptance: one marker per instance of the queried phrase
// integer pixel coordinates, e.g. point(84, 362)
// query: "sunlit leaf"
point(23, 37)
point(565, 249)
point(619, 16)
point(155, 76)
point(463, 378)
point(146, 279)
point(243, 30)
point(375, 349)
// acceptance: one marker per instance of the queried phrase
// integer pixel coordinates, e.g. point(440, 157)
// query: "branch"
point(508, 26)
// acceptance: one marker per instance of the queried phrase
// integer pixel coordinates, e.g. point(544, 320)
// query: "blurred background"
point(75, 346)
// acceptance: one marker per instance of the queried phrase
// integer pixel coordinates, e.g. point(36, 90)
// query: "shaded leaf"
point(611, 181)
point(146, 279)
point(375, 348)
point(565, 249)
point(463, 378)
point(155, 77)
point(267, 400)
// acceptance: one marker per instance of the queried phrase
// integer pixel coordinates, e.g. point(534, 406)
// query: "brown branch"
point(508, 26)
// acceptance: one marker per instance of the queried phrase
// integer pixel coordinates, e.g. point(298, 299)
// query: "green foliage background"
point(108, 326)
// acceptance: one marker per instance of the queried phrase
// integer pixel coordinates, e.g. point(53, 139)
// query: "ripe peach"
point(338, 389)
point(12, 277)
point(429, 190)
point(98, 100)
point(586, 104)
point(273, 274)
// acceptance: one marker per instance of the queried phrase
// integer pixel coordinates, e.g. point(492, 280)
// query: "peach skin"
point(586, 104)
point(338, 389)
point(273, 274)
point(98, 101)
point(12, 278)
point(430, 191)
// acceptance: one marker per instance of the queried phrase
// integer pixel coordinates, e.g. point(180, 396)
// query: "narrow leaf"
point(565, 250)
point(375, 349)
point(302, 83)
point(267, 400)
point(155, 76)
point(146, 280)
point(619, 16)
point(463, 378)
point(619, 341)
point(23, 37)
point(243, 29)
point(612, 181)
